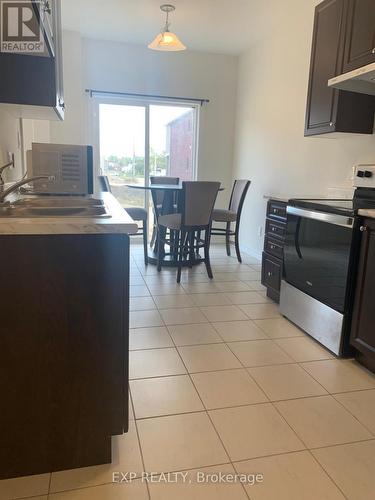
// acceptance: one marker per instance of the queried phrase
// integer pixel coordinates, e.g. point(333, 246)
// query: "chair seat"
point(219, 215)
point(171, 221)
point(137, 213)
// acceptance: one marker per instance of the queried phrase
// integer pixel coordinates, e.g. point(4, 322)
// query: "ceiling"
point(218, 26)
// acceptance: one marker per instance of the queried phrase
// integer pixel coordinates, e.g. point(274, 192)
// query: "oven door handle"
point(337, 220)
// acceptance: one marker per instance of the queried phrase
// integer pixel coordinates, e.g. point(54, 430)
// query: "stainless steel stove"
point(320, 262)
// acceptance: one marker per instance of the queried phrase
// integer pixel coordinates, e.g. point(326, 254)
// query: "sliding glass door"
point(140, 139)
point(123, 150)
point(172, 141)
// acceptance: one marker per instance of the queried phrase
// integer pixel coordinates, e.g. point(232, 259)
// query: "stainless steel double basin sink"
point(53, 206)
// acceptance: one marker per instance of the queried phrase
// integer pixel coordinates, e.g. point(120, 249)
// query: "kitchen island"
point(63, 339)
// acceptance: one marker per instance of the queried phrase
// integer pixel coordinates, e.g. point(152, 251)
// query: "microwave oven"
point(70, 165)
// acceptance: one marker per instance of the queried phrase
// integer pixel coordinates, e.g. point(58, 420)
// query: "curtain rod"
point(92, 92)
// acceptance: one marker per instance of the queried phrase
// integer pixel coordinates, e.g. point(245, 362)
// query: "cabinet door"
point(271, 272)
point(360, 35)
point(326, 62)
point(63, 351)
point(363, 326)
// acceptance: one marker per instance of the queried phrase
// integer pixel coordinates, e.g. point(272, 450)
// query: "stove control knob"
point(360, 173)
point(368, 174)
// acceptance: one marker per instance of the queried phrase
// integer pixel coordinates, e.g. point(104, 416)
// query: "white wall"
point(122, 67)
point(10, 142)
point(16, 137)
point(73, 130)
point(270, 148)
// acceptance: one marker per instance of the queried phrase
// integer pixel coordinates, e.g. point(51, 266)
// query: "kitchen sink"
point(63, 201)
point(55, 207)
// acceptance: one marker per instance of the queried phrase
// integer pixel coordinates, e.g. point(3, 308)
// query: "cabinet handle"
point(331, 124)
point(373, 50)
point(272, 247)
point(363, 229)
point(273, 229)
point(269, 274)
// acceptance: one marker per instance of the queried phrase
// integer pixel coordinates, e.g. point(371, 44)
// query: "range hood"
point(360, 80)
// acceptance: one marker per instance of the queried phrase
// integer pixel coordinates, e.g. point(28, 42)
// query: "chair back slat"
point(198, 202)
point(158, 196)
point(239, 192)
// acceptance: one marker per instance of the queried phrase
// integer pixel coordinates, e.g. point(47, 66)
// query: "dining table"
point(170, 198)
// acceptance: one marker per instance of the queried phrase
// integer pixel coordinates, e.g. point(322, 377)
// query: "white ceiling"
point(220, 26)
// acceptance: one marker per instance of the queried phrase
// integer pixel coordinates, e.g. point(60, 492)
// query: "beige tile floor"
point(222, 383)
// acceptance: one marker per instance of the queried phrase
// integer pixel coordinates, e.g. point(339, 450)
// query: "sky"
point(122, 128)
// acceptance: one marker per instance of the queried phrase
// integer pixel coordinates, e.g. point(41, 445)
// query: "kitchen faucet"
point(14, 187)
point(2, 182)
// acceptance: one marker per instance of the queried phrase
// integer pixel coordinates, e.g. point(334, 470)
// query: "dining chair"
point(136, 213)
point(233, 214)
point(196, 204)
point(158, 199)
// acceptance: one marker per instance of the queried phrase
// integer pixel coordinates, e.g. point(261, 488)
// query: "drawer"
point(271, 272)
point(275, 229)
point(276, 210)
point(274, 247)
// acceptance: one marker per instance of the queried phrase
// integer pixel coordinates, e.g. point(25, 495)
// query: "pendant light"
point(166, 40)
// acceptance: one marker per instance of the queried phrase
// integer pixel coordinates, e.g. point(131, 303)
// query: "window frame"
point(146, 103)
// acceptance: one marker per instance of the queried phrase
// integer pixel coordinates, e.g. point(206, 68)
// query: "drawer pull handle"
point(272, 247)
point(273, 230)
point(275, 210)
point(373, 50)
point(363, 229)
point(270, 274)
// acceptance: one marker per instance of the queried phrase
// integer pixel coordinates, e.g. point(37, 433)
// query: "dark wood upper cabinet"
point(330, 110)
point(31, 86)
point(363, 324)
point(360, 35)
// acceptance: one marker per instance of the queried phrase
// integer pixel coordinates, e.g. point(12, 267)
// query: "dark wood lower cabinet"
point(273, 255)
point(363, 324)
point(63, 351)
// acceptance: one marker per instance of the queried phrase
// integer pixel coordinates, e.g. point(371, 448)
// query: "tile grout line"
point(327, 474)
point(328, 393)
point(354, 416)
point(204, 406)
point(210, 419)
point(339, 402)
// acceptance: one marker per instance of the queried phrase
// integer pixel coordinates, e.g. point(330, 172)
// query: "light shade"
point(167, 41)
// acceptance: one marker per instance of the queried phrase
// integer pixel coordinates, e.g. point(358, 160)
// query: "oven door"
point(317, 255)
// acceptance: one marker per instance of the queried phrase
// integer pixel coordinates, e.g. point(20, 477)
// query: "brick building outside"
point(180, 139)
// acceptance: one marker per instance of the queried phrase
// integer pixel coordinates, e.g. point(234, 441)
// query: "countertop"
point(276, 197)
point(367, 212)
point(119, 222)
